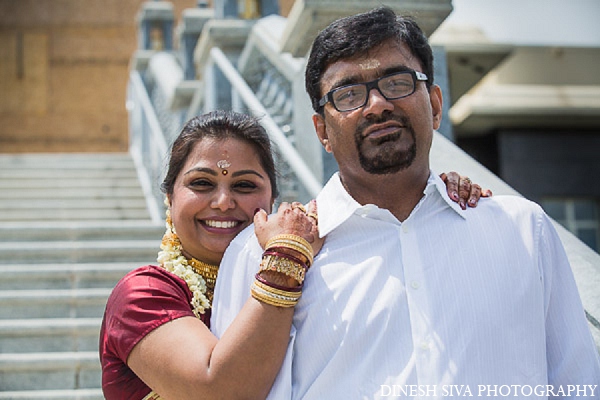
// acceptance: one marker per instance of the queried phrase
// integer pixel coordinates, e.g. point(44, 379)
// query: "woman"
point(155, 335)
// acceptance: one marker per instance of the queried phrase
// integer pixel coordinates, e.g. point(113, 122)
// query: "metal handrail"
point(147, 144)
point(296, 163)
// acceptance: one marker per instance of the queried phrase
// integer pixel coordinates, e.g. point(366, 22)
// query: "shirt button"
point(415, 285)
point(404, 228)
point(424, 345)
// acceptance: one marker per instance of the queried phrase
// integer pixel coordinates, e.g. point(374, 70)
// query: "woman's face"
point(215, 195)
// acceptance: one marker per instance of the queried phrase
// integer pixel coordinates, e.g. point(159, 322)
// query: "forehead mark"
point(370, 64)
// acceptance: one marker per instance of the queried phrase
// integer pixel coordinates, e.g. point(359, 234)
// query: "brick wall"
point(63, 73)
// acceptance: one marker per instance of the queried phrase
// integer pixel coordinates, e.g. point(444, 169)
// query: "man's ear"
point(435, 97)
point(319, 123)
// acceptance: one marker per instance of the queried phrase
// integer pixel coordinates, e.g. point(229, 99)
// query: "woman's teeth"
point(220, 224)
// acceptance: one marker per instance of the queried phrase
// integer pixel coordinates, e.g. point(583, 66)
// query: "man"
point(411, 296)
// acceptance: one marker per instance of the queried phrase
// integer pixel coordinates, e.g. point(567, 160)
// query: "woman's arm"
point(182, 359)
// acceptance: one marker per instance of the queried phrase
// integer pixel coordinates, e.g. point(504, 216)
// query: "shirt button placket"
point(418, 303)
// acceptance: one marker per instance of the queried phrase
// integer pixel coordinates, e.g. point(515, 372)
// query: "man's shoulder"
point(244, 244)
point(508, 207)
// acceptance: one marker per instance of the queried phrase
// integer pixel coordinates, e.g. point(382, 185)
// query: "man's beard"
point(388, 160)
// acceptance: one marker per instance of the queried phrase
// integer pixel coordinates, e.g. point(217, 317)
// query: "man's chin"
point(384, 163)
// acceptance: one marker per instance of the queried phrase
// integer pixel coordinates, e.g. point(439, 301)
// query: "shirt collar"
point(436, 184)
point(335, 205)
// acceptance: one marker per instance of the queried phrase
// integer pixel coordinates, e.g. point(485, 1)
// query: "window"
point(578, 215)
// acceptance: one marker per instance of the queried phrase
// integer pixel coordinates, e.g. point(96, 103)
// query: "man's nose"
point(376, 102)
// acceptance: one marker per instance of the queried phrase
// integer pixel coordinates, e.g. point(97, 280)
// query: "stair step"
point(73, 193)
point(62, 276)
point(66, 160)
point(80, 230)
point(59, 184)
point(75, 394)
point(72, 215)
point(64, 173)
point(73, 204)
point(71, 226)
point(49, 335)
point(63, 370)
point(137, 251)
point(53, 303)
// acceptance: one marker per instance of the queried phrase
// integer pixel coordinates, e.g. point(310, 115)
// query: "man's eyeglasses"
point(392, 87)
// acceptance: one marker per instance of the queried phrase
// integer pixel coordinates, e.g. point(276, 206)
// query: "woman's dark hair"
point(357, 34)
point(220, 125)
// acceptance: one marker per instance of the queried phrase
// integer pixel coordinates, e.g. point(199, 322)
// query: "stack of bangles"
point(278, 257)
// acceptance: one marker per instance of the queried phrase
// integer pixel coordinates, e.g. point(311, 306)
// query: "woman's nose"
point(223, 200)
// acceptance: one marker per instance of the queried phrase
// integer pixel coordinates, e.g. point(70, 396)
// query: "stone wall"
point(63, 73)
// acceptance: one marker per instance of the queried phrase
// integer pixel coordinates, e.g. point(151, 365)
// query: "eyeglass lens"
point(392, 87)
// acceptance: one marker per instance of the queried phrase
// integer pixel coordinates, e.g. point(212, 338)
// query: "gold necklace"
point(171, 258)
point(208, 272)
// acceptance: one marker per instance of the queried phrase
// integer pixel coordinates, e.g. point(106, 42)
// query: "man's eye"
point(347, 94)
point(398, 83)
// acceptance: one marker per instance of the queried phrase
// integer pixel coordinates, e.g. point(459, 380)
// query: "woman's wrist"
point(280, 278)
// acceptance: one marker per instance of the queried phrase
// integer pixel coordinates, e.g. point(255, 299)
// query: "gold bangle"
point(306, 253)
point(294, 238)
point(294, 242)
point(267, 297)
point(283, 265)
point(286, 293)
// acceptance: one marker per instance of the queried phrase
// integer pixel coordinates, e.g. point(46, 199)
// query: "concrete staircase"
point(71, 225)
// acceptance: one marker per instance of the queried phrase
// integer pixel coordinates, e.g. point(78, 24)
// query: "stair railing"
point(147, 144)
point(243, 92)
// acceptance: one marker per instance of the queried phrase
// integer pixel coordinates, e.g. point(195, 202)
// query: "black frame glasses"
point(394, 91)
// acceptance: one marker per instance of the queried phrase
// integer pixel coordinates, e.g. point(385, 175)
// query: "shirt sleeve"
point(142, 301)
point(571, 353)
point(236, 274)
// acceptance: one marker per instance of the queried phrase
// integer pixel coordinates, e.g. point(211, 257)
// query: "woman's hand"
point(292, 219)
point(461, 190)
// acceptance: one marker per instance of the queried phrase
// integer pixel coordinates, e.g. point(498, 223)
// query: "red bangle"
point(273, 252)
point(276, 286)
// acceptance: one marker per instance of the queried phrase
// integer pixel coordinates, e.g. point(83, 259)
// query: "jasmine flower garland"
point(171, 259)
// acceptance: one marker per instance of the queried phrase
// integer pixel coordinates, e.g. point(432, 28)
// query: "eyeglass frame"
point(374, 84)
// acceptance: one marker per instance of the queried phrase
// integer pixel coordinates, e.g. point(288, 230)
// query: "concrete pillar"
point(155, 26)
point(308, 17)
point(440, 67)
point(192, 23)
point(246, 9)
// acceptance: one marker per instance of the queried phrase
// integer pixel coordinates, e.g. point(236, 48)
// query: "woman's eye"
point(200, 183)
point(245, 186)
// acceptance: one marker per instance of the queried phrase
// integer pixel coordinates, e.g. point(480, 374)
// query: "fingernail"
point(454, 196)
point(463, 205)
point(472, 202)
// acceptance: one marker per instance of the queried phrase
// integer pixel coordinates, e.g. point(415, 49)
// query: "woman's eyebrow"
point(202, 169)
point(247, 171)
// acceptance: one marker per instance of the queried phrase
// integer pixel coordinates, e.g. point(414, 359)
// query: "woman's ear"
point(320, 128)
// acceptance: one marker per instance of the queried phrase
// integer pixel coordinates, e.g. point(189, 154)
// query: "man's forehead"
point(370, 63)
point(389, 51)
point(388, 55)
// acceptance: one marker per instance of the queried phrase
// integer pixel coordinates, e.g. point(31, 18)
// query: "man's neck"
point(399, 193)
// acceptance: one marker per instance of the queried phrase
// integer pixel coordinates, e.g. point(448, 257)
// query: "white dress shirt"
point(447, 303)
